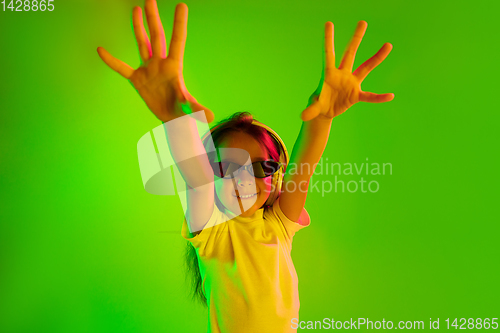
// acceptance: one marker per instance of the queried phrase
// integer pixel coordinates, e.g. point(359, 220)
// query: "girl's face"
point(244, 194)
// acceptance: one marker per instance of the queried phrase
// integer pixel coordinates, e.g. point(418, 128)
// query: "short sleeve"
point(201, 238)
point(211, 230)
point(291, 226)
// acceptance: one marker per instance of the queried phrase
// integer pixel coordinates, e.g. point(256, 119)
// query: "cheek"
point(225, 189)
point(265, 185)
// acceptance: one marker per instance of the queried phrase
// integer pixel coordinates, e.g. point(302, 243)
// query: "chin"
point(250, 211)
point(249, 207)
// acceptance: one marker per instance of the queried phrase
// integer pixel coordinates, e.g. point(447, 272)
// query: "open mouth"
point(246, 196)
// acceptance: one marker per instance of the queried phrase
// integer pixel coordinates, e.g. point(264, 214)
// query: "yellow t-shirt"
point(248, 275)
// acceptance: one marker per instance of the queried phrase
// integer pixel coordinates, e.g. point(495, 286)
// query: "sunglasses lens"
point(225, 169)
point(259, 169)
point(265, 168)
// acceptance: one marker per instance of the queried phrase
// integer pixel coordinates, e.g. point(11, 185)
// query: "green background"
point(84, 248)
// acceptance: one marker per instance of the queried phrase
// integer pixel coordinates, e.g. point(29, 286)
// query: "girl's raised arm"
point(160, 82)
point(338, 90)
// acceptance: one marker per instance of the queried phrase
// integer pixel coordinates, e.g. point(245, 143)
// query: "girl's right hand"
point(159, 79)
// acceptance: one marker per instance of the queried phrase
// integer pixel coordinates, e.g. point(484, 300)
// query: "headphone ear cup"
point(270, 198)
point(279, 183)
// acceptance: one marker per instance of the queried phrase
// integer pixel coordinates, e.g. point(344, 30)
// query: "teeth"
point(247, 196)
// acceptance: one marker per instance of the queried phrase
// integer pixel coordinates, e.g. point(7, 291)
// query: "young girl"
point(242, 208)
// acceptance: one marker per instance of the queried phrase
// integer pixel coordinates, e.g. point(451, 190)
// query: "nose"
point(245, 179)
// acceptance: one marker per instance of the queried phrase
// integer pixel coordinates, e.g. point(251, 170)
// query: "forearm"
point(188, 152)
point(308, 149)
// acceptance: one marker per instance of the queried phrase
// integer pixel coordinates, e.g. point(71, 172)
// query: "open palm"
point(339, 88)
point(159, 79)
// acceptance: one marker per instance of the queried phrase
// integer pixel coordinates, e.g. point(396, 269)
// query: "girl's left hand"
point(339, 88)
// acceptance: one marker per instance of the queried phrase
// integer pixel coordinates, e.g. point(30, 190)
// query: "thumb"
point(311, 111)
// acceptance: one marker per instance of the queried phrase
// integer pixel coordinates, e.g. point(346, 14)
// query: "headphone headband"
point(283, 151)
